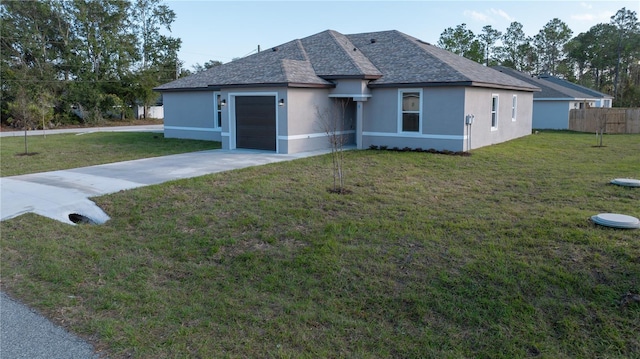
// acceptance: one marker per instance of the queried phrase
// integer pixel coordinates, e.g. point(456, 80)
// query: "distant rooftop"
point(553, 87)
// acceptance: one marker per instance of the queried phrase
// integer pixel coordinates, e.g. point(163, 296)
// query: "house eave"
point(564, 99)
point(505, 87)
point(181, 89)
point(420, 84)
point(456, 83)
point(346, 77)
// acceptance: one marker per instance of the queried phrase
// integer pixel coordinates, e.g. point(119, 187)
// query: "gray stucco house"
point(557, 97)
point(398, 91)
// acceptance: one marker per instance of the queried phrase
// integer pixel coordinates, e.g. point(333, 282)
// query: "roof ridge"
point(349, 53)
point(302, 49)
point(353, 62)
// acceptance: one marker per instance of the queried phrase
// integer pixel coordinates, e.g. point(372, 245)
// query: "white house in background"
point(156, 111)
point(398, 92)
point(557, 97)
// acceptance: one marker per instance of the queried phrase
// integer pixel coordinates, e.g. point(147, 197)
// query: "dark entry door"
point(256, 122)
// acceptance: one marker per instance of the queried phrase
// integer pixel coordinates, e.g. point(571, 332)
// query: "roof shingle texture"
point(387, 58)
point(553, 87)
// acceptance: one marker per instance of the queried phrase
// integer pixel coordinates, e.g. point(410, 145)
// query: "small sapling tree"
point(332, 122)
point(601, 123)
point(24, 113)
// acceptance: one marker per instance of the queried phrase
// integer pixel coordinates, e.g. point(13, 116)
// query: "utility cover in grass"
point(616, 220)
point(627, 182)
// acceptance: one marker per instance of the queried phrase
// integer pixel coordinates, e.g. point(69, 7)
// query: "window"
point(411, 110)
point(494, 112)
point(514, 107)
point(217, 121)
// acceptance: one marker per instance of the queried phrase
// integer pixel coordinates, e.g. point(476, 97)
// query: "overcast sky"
point(223, 30)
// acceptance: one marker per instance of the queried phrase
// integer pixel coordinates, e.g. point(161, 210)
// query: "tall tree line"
point(84, 60)
point(605, 58)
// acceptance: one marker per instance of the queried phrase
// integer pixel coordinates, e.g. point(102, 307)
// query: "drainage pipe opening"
point(80, 219)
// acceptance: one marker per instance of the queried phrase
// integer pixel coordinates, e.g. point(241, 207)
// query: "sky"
point(224, 30)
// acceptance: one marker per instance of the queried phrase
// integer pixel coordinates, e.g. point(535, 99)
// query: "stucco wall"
point(442, 119)
point(190, 115)
point(551, 115)
point(305, 129)
point(478, 102)
point(350, 87)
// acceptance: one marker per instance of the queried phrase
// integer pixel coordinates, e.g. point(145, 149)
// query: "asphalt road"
point(27, 334)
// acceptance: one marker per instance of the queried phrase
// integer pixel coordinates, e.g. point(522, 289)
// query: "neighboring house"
point(398, 91)
point(156, 111)
point(557, 97)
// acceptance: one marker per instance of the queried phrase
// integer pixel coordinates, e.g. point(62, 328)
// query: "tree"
point(516, 50)
point(592, 53)
point(488, 39)
point(159, 53)
point(550, 42)
point(332, 121)
point(44, 109)
point(89, 54)
point(461, 41)
point(24, 113)
point(626, 23)
point(104, 52)
point(28, 49)
point(207, 65)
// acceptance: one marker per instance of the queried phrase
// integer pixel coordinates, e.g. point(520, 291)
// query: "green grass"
point(57, 152)
point(431, 256)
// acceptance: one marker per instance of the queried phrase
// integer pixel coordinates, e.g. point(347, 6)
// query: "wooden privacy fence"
point(614, 120)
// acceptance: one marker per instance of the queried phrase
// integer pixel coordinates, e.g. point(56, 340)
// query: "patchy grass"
point(57, 152)
point(430, 256)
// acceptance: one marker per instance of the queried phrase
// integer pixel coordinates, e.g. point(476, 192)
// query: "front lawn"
point(430, 256)
point(58, 152)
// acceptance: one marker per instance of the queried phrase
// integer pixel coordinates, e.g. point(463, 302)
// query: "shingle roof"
point(387, 58)
point(571, 85)
point(404, 59)
point(553, 87)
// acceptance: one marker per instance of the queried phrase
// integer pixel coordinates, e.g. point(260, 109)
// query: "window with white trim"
point(494, 112)
point(410, 110)
point(514, 107)
point(217, 120)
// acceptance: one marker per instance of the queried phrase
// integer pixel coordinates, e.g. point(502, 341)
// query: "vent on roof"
point(424, 42)
point(355, 49)
point(274, 49)
point(373, 41)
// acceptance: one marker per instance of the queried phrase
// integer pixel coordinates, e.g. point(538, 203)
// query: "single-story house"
point(557, 97)
point(395, 91)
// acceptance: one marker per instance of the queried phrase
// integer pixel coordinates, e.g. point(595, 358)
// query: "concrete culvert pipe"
point(80, 219)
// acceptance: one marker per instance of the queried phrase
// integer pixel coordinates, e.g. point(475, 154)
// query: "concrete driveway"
point(59, 194)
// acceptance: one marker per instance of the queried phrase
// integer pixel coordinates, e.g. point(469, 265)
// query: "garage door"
point(256, 122)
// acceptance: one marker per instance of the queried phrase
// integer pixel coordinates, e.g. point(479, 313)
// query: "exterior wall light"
point(223, 102)
point(281, 102)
